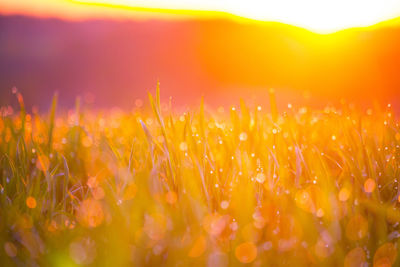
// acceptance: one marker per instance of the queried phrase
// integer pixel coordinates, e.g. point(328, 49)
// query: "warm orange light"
point(344, 194)
point(315, 15)
point(198, 248)
point(355, 257)
point(246, 252)
point(369, 185)
point(90, 213)
point(357, 227)
point(385, 255)
point(318, 16)
point(31, 202)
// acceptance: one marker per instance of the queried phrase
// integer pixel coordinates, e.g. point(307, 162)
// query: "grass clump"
point(153, 187)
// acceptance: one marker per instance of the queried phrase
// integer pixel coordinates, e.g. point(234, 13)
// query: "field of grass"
point(251, 186)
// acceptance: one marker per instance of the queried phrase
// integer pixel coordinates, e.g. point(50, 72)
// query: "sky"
point(321, 16)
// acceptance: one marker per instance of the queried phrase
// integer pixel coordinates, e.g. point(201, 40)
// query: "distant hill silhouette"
point(221, 59)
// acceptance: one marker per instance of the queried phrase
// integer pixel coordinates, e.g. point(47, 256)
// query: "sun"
point(319, 15)
point(322, 16)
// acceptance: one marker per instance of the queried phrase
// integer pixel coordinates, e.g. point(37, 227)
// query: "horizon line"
point(171, 14)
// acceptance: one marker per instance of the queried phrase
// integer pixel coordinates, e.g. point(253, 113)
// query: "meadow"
point(244, 185)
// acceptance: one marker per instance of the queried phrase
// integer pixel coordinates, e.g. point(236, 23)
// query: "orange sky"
point(322, 16)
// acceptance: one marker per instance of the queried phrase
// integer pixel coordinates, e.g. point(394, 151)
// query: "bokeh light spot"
point(31, 202)
point(246, 252)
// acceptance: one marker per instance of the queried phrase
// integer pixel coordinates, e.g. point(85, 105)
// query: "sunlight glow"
point(315, 15)
point(325, 16)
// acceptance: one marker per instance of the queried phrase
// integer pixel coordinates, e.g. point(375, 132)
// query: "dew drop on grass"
point(260, 177)
point(320, 213)
point(183, 146)
point(224, 204)
point(243, 136)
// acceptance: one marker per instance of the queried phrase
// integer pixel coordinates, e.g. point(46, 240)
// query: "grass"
point(244, 186)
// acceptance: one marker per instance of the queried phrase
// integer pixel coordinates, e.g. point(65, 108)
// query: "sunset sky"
point(316, 15)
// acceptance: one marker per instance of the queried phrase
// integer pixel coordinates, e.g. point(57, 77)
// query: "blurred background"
point(114, 60)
